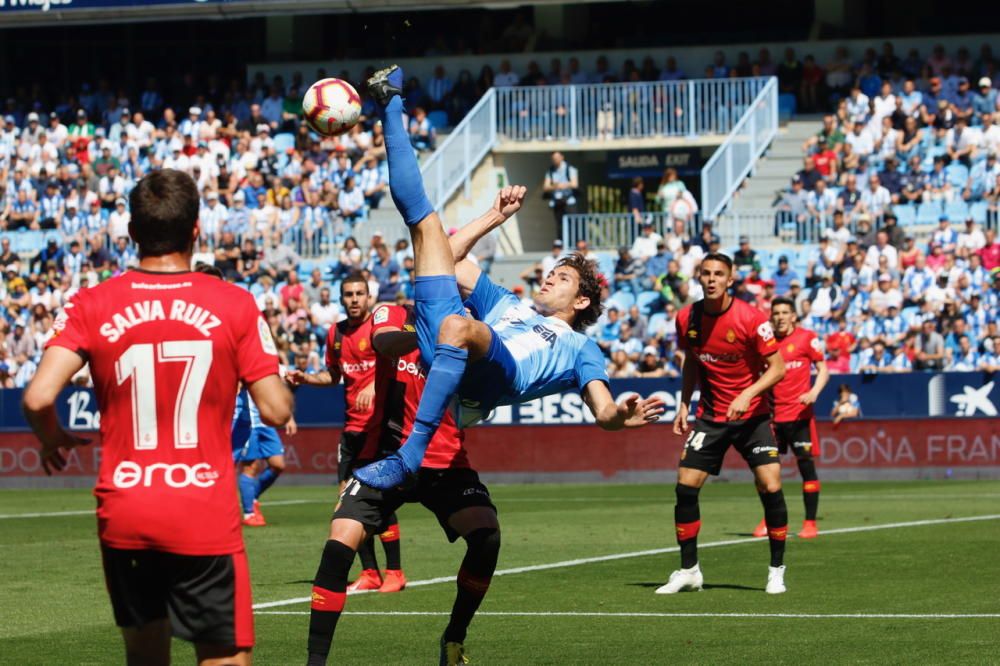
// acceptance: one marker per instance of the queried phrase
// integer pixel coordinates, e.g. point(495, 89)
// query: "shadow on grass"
point(707, 586)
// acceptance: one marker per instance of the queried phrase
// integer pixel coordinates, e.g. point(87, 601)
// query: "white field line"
point(544, 500)
point(816, 616)
point(656, 551)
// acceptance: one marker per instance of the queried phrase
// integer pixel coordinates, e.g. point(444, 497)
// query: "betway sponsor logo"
point(791, 365)
point(411, 369)
point(129, 474)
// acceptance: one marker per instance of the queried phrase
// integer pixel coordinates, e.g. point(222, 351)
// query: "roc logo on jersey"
point(730, 336)
point(693, 334)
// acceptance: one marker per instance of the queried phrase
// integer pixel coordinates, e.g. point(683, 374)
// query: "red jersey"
point(838, 344)
point(824, 162)
point(167, 352)
point(400, 383)
point(349, 352)
point(800, 349)
point(730, 348)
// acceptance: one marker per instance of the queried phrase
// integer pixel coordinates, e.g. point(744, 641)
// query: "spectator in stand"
point(656, 265)
point(628, 272)
point(990, 252)
point(646, 243)
point(745, 258)
point(930, 347)
point(560, 187)
point(965, 358)
point(821, 202)
point(882, 248)
point(422, 133)
point(637, 200)
point(783, 277)
point(825, 159)
point(371, 182)
point(279, 259)
point(790, 74)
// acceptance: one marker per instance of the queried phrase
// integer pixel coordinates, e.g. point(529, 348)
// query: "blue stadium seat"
point(647, 301)
point(606, 264)
point(905, 215)
point(957, 173)
point(929, 212)
point(655, 319)
point(622, 299)
point(957, 210)
point(978, 212)
point(283, 141)
point(305, 268)
point(786, 106)
point(439, 119)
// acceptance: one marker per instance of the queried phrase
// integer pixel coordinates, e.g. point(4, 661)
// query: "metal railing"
point(609, 231)
point(734, 159)
point(624, 110)
point(452, 163)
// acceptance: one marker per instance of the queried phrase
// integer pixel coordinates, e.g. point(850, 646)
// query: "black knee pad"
point(686, 495)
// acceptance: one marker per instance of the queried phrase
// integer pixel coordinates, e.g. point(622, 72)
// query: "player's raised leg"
point(442, 330)
point(768, 480)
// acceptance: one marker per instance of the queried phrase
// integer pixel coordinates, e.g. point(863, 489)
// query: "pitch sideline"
point(656, 551)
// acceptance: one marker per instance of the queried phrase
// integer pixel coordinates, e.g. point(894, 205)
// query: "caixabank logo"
point(974, 401)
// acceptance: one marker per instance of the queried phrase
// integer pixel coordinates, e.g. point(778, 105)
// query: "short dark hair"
point(164, 208)
point(590, 287)
point(208, 269)
point(719, 256)
point(354, 277)
point(783, 300)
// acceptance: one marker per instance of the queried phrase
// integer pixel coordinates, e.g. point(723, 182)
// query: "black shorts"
point(206, 597)
point(351, 445)
point(708, 442)
point(443, 491)
point(799, 436)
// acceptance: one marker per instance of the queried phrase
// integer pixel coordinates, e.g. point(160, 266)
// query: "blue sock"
point(248, 492)
point(265, 480)
point(442, 382)
point(405, 182)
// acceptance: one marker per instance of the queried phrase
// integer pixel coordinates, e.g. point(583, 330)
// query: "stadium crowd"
point(918, 140)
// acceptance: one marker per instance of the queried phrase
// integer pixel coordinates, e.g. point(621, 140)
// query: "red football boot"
point(394, 581)
point(368, 580)
point(761, 530)
point(809, 530)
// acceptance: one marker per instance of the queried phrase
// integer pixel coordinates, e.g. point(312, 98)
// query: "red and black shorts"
point(708, 442)
point(799, 436)
point(206, 597)
point(443, 491)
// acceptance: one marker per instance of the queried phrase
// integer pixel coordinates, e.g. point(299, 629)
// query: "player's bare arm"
point(822, 377)
point(689, 382)
point(632, 413)
point(393, 342)
point(774, 373)
point(273, 399)
point(508, 201)
point(366, 397)
point(39, 402)
point(322, 378)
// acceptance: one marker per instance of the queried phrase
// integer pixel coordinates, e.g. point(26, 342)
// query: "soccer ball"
point(331, 107)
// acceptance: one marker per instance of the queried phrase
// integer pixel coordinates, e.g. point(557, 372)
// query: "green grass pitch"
point(54, 610)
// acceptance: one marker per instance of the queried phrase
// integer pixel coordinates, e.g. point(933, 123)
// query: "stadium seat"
point(978, 212)
point(957, 211)
point(958, 174)
point(655, 319)
point(283, 141)
point(786, 106)
point(438, 119)
point(929, 212)
point(905, 215)
point(647, 301)
point(305, 268)
point(606, 264)
point(622, 299)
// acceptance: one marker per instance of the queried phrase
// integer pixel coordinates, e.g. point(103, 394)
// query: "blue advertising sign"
point(904, 396)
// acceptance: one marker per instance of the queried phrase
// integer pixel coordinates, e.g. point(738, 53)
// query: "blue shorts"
point(492, 377)
point(257, 443)
point(434, 298)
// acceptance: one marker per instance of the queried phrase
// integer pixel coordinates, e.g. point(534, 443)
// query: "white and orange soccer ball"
point(331, 106)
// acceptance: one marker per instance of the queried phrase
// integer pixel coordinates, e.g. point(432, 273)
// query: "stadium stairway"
point(773, 172)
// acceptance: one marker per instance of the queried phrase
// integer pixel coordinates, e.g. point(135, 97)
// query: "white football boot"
point(775, 580)
point(683, 579)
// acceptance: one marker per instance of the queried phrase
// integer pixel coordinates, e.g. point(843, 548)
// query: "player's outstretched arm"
point(822, 377)
point(273, 399)
point(39, 403)
point(507, 202)
point(774, 374)
point(322, 378)
point(632, 413)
